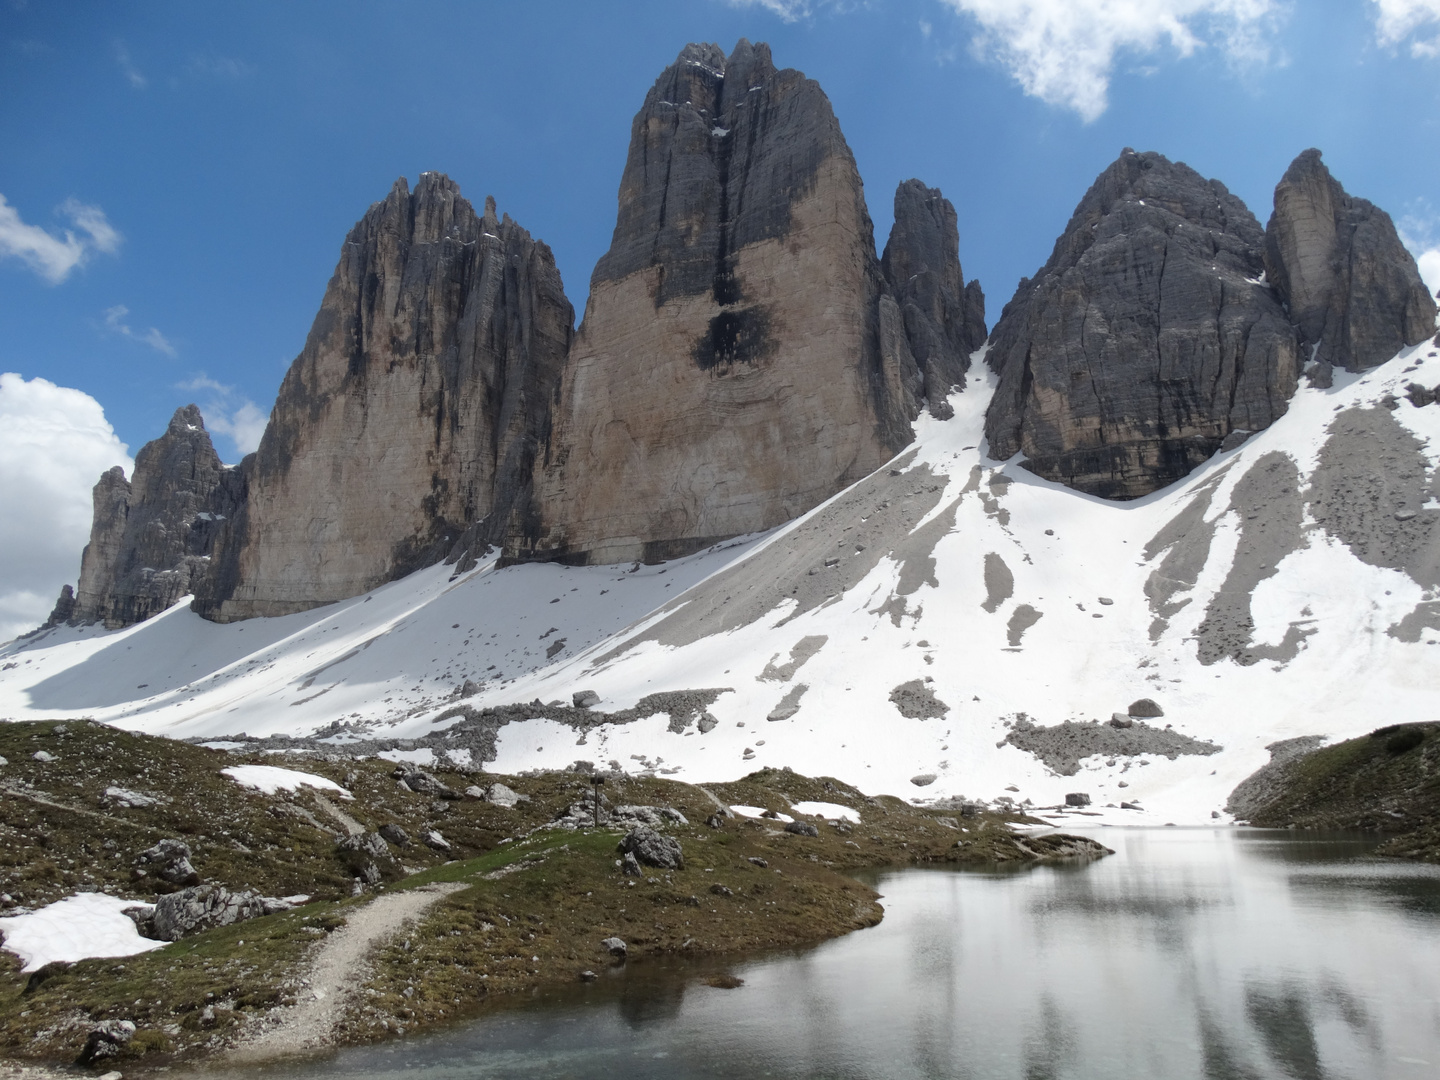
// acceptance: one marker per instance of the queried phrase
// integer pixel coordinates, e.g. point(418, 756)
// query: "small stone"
point(433, 839)
point(43, 755)
point(1404, 515)
point(1130, 806)
point(629, 865)
point(1105, 600)
point(758, 861)
point(1121, 720)
point(588, 976)
point(721, 890)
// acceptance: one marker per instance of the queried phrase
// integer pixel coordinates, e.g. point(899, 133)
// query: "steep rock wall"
point(153, 536)
point(1351, 289)
point(1147, 337)
point(732, 370)
point(407, 427)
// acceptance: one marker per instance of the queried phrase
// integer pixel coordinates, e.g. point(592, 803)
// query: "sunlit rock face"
point(407, 427)
point(732, 370)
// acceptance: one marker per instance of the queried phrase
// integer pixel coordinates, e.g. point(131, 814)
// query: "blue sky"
point(206, 160)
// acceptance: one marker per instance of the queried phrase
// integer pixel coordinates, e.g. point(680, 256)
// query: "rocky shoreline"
point(377, 898)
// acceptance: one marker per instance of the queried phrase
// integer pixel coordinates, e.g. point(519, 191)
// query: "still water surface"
point(1224, 954)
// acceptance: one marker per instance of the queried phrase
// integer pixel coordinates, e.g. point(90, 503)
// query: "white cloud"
point(54, 444)
point(218, 67)
point(1420, 233)
point(1064, 51)
point(115, 323)
point(132, 74)
point(788, 10)
point(51, 256)
point(1397, 20)
point(230, 414)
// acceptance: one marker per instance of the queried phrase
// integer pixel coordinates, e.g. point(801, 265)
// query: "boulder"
point(1146, 339)
point(433, 839)
point(924, 779)
point(654, 849)
point(585, 699)
point(105, 1040)
point(423, 783)
point(501, 795)
point(629, 865)
point(1077, 798)
point(203, 907)
point(394, 834)
point(801, 828)
point(614, 946)
point(1145, 709)
point(169, 860)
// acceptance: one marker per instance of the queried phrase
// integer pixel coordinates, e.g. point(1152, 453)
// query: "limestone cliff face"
point(1147, 337)
point(407, 427)
point(732, 370)
point(153, 536)
point(1352, 290)
point(944, 317)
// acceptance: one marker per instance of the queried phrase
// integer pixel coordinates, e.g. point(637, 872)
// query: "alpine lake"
point(1224, 954)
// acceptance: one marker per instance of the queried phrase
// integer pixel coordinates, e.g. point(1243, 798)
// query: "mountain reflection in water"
point(1224, 954)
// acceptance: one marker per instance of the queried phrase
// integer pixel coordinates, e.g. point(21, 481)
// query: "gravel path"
point(337, 972)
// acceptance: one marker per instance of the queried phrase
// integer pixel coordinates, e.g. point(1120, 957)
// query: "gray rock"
point(169, 860)
point(614, 946)
point(758, 861)
point(629, 865)
point(1145, 709)
point(743, 255)
point(1353, 291)
point(944, 319)
point(124, 797)
point(1145, 339)
point(394, 834)
point(423, 783)
point(501, 795)
point(433, 839)
point(204, 907)
point(653, 849)
point(789, 705)
point(1236, 439)
point(1121, 720)
point(43, 756)
point(1063, 746)
point(917, 701)
point(1077, 798)
point(924, 779)
point(105, 1040)
point(152, 538)
point(585, 699)
point(411, 419)
point(801, 828)
point(707, 723)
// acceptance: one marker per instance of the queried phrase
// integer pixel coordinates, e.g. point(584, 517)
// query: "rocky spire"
point(407, 427)
point(731, 371)
point(152, 537)
point(1351, 289)
point(944, 318)
point(1145, 340)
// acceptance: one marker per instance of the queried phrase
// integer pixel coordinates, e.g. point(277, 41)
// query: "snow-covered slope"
point(1287, 588)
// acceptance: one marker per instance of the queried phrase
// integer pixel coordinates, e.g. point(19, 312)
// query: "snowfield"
point(916, 625)
point(77, 928)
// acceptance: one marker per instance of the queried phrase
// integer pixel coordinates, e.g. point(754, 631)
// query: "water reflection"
point(1191, 953)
